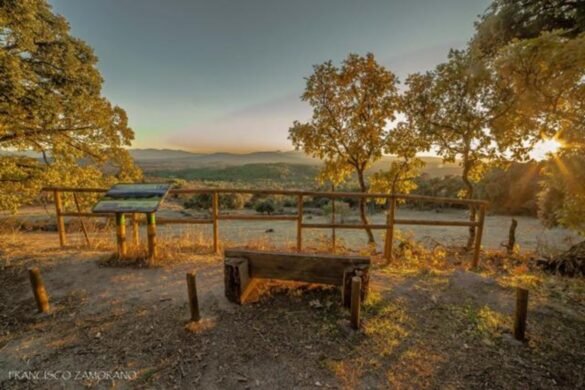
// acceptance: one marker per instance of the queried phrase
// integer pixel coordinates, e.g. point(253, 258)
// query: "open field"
point(531, 235)
point(423, 328)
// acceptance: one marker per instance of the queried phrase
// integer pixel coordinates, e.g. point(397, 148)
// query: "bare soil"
point(424, 328)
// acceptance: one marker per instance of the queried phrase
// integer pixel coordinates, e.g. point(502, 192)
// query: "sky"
point(221, 75)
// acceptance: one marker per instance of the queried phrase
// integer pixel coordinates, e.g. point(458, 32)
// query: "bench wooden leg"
point(236, 278)
point(356, 295)
point(364, 275)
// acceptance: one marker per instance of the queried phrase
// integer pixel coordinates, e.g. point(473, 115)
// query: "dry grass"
point(426, 323)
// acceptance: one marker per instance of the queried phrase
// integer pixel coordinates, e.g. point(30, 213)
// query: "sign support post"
point(151, 230)
point(121, 234)
point(124, 199)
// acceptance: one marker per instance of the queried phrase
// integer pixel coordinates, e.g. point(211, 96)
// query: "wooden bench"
point(242, 267)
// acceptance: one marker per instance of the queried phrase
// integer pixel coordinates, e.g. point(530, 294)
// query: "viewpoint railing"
point(216, 216)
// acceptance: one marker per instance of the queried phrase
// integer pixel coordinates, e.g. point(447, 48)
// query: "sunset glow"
point(544, 149)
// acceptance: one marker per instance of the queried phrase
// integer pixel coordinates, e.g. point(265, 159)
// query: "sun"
point(546, 148)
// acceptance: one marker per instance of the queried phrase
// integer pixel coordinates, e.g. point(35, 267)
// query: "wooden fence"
point(216, 216)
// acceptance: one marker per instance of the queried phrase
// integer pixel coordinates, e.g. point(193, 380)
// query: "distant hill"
point(204, 165)
point(168, 160)
point(165, 159)
point(291, 174)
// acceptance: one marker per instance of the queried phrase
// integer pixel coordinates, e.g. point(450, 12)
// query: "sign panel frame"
point(132, 198)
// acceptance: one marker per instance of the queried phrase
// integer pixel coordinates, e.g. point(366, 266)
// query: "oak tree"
point(537, 49)
point(352, 105)
point(55, 126)
point(507, 20)
point(453, 107)
point(547, 76)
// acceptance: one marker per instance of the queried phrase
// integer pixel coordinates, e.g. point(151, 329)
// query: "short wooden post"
point(151, 234)
point(521, 313)
point(60, 219)
point(83, 228)
point(388, 244)
point(135, 230)
point(356, 288)
point(121, 234)
point(299, 222)
point(214, 217)
point(38, 287)
point(478, 235)
point(364, 274)
point(192, 291)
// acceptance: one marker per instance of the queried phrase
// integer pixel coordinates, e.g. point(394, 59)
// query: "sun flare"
point(545, 148)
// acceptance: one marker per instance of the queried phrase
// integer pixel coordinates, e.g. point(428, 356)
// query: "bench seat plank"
point(310, 268)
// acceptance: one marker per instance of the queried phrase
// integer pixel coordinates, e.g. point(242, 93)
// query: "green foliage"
point(452, 108)
point(260, 174)
point(342, 209)
point(351, 106)
point(536, 49)
point(265, 207)
point(446, 186)
point(234, 201)
point(562, 199)
point(512, 190)
point(507, 20)
point(545, 75)
point(404, 142)
point(51, 104)
point(199, 201)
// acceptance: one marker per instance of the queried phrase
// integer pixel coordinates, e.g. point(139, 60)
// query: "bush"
point(226, 201)
point(265, 207)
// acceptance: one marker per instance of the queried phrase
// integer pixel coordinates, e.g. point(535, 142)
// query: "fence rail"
point(216, 216)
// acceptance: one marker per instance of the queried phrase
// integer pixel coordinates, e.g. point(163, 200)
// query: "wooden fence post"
point(333, 238)
point(299, 222)
point(214, 216)
point(60, 219)
point(151, 235)
point(135, 230)
point(356, 289)
point(521, 313)
point(83, 228)
point(39, 291)
point(121, 234)
point(192, 291)
point(388, 245)
point(478, 236)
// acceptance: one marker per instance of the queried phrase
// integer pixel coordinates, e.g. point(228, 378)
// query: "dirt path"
point(424, 329)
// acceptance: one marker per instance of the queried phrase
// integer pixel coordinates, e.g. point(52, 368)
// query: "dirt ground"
point(422, 328)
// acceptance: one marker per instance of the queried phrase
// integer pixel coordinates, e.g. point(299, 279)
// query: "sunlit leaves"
point(351, 106)
point(51, 104)
point(562, 199)
point(547, 76)
point(451, 108)
point(508, 20)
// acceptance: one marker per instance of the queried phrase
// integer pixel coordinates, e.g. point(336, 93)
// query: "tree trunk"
point(363, 214)
point(472, 209)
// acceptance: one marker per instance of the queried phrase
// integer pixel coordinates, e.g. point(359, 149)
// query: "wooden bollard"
point(521, 313)
point(193, 301)
point(151, 234)
point(356, 288)
point(121, 234)
point(39, 291)
point(135, 230)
